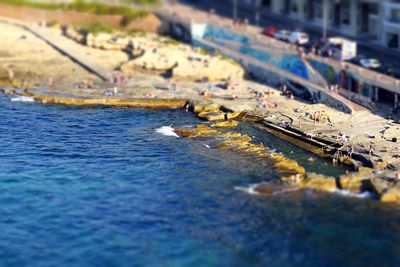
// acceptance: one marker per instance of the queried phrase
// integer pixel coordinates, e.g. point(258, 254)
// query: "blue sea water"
point(100, 187)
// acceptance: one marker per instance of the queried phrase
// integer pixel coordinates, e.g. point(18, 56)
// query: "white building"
point(375, 20)
point(391, 24)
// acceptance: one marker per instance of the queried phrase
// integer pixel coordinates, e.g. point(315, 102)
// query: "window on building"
point(266, 3)
point(318, 9)
point(395, 15)
point(345, 13)
point(345, 17)
point(294, 8)
point(373, 9)
point(393, 40)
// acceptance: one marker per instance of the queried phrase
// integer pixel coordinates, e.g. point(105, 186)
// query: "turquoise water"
point(99, 187)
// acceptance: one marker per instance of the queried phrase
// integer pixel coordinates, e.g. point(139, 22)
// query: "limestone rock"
point(379, 165)
point(292, 179)
point(212, 68)
point(354, 182)
point(233, 115)
point(289, 166)
point(254, 149)
point(268, 189)
point(74, 34)
point(391, 195)
point(200, 108)
point(212, 115)
point(161, 54)
point(136, 103)
point(318, 182)
point(226, 124)
point(233, 143)
point(201, 130)
point(380, 186)
point(106, 41)
point(234, 135)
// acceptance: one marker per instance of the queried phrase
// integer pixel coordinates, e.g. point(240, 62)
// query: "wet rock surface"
point(356, 182)
point(318, 182)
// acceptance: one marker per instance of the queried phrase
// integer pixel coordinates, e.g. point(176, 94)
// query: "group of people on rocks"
point(286, 92)
point(263, 99)
point(227, 85)
point(240, 22)
point(370, 148)
point(334, 88)
point(320, 116)
point(86, 84)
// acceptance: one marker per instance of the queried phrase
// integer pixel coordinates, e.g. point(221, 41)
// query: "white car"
point(370, 63)
point(300, 38)
point(282, 35)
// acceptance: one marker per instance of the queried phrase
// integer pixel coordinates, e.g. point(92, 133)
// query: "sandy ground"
point(32, 59)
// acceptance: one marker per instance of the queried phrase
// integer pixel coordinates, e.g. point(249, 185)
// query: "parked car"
point(299, 38)
point(390, 70)
point(315, 45)
point(385, 68)
point(395, 73)
point(357, 59)
point(329, 50)
point(282, 35)
point(370, 63)
point(270, 31)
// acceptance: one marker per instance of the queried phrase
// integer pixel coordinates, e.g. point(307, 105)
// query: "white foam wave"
point(23, 99)
point(167, 131)
point(251, 189)
point(248, 189)
point(346, 193)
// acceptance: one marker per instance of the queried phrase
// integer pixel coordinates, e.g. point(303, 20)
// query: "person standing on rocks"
point(10, 75)
point(371, 149)
point(351, 150)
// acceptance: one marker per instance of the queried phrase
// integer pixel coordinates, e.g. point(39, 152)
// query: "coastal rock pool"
point(103, 187)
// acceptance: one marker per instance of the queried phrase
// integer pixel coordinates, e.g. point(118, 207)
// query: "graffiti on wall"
point(325, 70)
point(290, 63)
point(214, 32)
point(294, 65)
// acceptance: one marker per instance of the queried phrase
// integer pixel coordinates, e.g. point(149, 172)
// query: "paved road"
point(369, 50)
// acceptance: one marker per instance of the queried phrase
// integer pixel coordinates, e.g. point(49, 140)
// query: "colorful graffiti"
point(213, 32)
point(290, 63)
point(325, 70)
point(294, 65)
point(260, 55)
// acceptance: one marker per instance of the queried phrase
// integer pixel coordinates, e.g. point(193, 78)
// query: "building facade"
point(374, 20)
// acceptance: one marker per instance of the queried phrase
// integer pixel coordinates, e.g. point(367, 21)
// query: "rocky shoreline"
point(214, 101)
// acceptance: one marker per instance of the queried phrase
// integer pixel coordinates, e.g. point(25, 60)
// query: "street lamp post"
point(234, 9)
point(257, 18)
point(325, 16)
point(325, 11)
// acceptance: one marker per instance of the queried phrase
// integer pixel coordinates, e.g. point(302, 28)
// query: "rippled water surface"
point(100, 187)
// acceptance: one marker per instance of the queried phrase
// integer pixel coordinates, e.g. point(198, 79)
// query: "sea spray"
point(167, 131)
point(23, 99)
